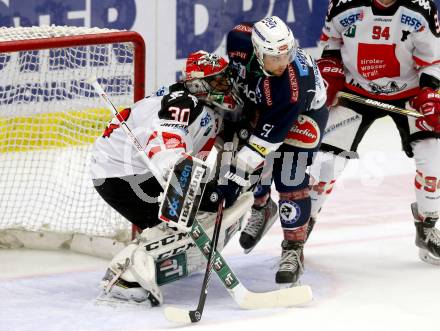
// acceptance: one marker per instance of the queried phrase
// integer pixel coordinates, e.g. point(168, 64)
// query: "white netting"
point(38, 32)
point(49, 117)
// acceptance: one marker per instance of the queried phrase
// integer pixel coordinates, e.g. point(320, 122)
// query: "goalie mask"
point(206, 76)
point(273, 40)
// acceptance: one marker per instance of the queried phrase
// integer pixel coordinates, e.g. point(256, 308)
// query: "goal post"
point(49, 118)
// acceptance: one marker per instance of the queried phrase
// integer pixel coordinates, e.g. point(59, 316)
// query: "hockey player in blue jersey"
point(285, 96)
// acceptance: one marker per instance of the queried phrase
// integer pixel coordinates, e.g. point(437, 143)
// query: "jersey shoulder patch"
point(180, 106)
point(428, 9)
point(337, 7)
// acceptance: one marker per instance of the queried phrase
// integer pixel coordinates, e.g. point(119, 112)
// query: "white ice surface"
point(361, 262)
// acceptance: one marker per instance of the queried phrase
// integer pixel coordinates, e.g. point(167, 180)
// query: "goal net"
point(49, 118)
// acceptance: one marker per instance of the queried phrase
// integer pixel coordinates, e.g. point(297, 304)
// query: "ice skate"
point(291, 264)
point(260, 222)
point(427, 237)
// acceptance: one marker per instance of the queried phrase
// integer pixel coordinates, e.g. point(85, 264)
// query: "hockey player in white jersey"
point(389, 51)
point(186, 118)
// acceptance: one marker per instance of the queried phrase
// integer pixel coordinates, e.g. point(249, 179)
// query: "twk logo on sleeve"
point(304, 133)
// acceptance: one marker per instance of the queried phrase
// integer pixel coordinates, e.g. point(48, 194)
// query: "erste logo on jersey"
point(305, 133)
point(351, 19)
point(412, 22)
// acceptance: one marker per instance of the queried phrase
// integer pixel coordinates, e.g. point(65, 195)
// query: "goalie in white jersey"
point(186, 118)
point(389, 51)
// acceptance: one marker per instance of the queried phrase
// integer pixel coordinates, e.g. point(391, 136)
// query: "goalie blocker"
point(183, 192)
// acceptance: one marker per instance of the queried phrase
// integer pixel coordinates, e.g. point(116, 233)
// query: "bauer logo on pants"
point(289, 212)
point(304, 133)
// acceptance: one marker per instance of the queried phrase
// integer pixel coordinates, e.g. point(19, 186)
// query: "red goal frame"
point(90, 40)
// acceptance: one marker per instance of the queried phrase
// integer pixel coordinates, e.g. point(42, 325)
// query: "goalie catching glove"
point(427, 102)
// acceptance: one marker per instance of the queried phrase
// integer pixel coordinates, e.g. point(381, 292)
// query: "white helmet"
point(273, 37)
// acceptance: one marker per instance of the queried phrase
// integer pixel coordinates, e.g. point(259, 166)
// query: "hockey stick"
point(244, 298)
point(185, 316)
point(157, 174)
point(378, 104)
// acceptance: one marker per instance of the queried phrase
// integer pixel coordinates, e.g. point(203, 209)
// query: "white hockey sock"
point(427, 180)
point(326, 168)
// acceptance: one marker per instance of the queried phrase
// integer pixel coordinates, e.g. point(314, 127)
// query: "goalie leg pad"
point(161, 255)
point(131, 276)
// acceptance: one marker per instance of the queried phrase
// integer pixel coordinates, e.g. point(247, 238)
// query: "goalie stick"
point(180, 204)
point(246, 299)
point(378, 104)
point(243, 297)
point(185, 316)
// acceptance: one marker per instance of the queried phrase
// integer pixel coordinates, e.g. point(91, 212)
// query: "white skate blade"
point(427, 257)
point(106, 300)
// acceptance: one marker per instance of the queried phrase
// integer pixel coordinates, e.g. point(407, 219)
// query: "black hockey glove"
point(229, 188)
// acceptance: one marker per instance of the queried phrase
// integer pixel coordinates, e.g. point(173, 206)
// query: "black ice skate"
point(260, 222)
point(291, 264)
point(427, 237)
